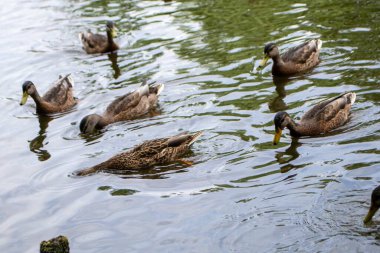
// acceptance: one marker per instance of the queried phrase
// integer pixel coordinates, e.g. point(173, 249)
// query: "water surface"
point(243, 193)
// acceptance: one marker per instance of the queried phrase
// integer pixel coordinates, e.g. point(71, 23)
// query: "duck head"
point(375, 204)
point(90, 123)
point(281, 120)
point(270, 51)
point(111, 29)
point(28, 89)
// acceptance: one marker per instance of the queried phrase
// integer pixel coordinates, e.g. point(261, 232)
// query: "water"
point(243, 194)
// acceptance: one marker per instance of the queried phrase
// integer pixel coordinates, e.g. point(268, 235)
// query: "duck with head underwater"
point(97, 43)
point(322, 118)
point(148, 154)
point(59, 98)
point(127, 107)
point(296, 60)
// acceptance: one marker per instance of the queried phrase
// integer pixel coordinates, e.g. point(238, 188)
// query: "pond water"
point(242, 194)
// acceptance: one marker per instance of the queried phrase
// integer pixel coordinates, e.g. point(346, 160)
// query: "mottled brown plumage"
point(148, 154)
point(297, 59)
point(128, 107)
point(322, 118)
point(97, 43)
point(59, 98)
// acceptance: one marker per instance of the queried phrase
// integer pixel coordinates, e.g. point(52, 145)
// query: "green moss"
point(123, 192)
point(104, 188)
point(58, 244)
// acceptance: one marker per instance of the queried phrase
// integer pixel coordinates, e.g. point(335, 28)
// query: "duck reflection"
point(290, 154)
point(36, 145)
point(157, 172)
point(91, 137)
point(278, 104)
point(113, 58)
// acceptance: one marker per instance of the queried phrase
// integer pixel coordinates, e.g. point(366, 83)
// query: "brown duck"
point(148, 154)
point(322, 118)
point(97, 43)
point(58, 98)
point(128, 107)
point(375, 204)
point(296, 60)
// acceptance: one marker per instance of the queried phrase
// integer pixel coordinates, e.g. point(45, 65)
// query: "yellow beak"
point(263, 62)
point(114, 32)
point(371, 213)
point(24, 98)
point(277, 136)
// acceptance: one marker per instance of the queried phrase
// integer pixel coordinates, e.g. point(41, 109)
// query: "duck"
point(375, 204)
point(127, 107)
point(59, 98)
point(322, 118)
point(97, 43)
point(296, 60)
point(147, 155)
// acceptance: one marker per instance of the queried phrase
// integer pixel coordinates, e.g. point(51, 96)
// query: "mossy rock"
point(58, 244)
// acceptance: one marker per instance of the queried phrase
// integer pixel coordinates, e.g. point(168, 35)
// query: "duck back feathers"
point(146, 155)
point(327, 115)
point(61, 91)
point(135, 103)
point(297, 59)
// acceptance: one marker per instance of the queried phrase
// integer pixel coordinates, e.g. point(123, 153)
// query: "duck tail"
point(70, 80)
point(183, 139)
point(319, 44)
point(159, 88)
point(144, 88)
point(195, 137)
point(81, 36)
point(351, 97)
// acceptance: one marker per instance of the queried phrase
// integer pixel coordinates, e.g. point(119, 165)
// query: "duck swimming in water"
point(296, 60)
point(148, 154)
point(59, 98)
point(97, 43)
point(322, 118)
point(128, 107)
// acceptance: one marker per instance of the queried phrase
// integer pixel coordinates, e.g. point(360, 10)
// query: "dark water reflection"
point(37, 144)
point(277, 104)
point(113, 58)
point(243, 194)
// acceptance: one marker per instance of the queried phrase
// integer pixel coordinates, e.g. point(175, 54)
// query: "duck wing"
point(127, 101)
point(158, 146)
point(61, 91)
point(331, 109)
point(177, 146)
point(93, 43)
point(136, 103)
point(183, 139)
point(304, 52)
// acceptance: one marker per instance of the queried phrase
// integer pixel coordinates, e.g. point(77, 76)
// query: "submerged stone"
point(58, 244)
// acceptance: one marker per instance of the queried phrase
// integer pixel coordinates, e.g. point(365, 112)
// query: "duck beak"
point(263, 62)
point(24, 98)
point(371, 213)
point(114, 31)
point(277, 136)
